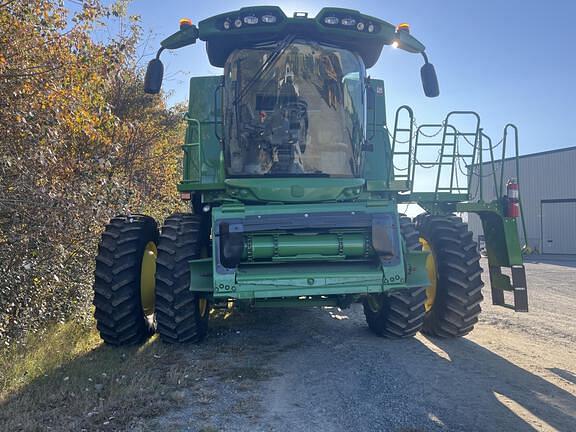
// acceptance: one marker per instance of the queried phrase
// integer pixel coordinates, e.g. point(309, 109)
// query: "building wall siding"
point(546, 176)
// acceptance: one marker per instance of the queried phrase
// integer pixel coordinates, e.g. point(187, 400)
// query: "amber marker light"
point(185, 22)
point(403, 27)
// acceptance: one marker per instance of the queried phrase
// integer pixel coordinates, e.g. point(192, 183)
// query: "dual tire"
point(398, 314)
point(142, 281)
point(458, 295)
point(450, 306)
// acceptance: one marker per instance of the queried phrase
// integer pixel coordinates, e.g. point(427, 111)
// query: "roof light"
point(227, 24)
point(251, 20)
point(371, 28)
point(185, 22)
point(269, 19)
point(331, 20)
point(360, 26)
point(348, 22)
point(403, 27)
point(238, 23)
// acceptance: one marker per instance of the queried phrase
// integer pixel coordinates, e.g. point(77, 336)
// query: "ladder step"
point(403, 130)
point(520, 289)
point(418, 144)
point(452, 189)
point(461, 134)
point(401, 153)
point(517, 285)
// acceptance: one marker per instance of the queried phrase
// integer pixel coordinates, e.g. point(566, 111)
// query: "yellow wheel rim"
point(202, 307)
point(148, 278)
point(432, 270)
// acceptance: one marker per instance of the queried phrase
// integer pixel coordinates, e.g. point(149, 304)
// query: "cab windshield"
point(294, 108)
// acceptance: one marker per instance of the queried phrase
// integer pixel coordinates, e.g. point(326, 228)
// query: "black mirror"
point(429, 80)
point(154, 76)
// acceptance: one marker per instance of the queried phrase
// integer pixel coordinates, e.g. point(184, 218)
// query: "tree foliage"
point(79, 141)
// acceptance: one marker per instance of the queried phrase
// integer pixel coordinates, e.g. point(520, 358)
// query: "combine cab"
point(295, 183)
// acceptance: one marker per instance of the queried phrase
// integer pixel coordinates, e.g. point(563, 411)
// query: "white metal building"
point(548, 191)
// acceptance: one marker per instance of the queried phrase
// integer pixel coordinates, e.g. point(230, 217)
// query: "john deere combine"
point(295, 182)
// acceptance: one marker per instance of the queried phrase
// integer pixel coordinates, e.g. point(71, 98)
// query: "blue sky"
point(512, 61)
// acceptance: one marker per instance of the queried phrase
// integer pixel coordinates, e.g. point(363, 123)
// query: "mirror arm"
point(159, 52)
point(425, 57)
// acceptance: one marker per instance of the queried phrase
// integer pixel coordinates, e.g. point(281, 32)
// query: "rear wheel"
point(398, 314)
point(453, 299)
point(124, 280)
point(181, 314)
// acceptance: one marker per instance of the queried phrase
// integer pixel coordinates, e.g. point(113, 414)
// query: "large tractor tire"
point(453, 300)
point(181, 314)
point(398, 314)
point(124, 280)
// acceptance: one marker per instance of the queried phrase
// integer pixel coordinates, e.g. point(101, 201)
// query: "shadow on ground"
point(504, 389)
point(331, 372)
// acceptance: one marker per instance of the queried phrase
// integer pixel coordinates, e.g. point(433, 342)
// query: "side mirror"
point(154, 76)
point(429, 80)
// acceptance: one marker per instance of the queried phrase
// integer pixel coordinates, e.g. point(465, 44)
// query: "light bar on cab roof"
point(348, 20)
point(269, 19)
point(252, 18)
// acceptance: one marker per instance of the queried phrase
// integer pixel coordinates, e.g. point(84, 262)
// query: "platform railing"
point(191, 164)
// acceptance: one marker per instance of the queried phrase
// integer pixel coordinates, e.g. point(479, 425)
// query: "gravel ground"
point(322, 370)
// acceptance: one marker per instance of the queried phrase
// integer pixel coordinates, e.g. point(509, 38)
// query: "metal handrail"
point(395, 140)
point(187, 147)
point(517, 164)
point(493, 163)
point(476, 135)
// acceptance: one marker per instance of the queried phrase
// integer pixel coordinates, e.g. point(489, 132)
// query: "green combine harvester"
point(295, 182)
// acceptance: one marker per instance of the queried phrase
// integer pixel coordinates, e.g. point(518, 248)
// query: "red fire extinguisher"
point(513, 204)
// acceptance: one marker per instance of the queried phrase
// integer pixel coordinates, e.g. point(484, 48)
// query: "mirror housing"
point(429, 80)
point(154, 76)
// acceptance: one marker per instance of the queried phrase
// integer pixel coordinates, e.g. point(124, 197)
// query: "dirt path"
point(321, 370)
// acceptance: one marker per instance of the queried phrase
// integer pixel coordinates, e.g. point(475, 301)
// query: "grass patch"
point(66, 379)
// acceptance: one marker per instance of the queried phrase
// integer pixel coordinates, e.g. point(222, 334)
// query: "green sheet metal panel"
point(376, 161)
point(202, 153)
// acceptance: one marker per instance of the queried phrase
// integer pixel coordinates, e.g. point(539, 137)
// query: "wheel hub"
point(432, 270)
point(148, 278)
